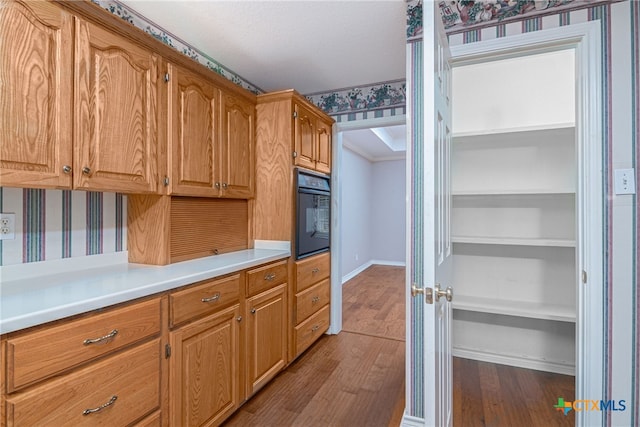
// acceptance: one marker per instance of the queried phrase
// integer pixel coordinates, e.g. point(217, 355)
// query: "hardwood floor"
point(356, 378)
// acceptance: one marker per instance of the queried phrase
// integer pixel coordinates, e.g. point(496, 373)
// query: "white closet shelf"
point(516, 193)
point(517, 241)
point(531, 310)
point(511, 132)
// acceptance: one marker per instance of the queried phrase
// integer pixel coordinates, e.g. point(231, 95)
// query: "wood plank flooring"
point(356, 378)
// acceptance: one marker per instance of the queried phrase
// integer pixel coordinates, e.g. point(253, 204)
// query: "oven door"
point(314, 217)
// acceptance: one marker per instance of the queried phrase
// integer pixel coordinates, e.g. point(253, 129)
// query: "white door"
point(430, 267)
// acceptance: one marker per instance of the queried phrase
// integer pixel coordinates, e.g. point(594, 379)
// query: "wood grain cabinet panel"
point(204, 298)
point(193, 132)
point(52, 350)
point(211, 138)
point(37, 89)
point(262, 278)
point(311, 270)
point(307, 332)
point(305, 137)
point(323, 154)
point(237, 152)
point(204, 369)
point(312, 299)
point(116, 132)
point(116, 391)
point(266, 336)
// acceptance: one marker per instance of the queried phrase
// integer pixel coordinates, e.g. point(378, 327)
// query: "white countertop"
point(37, 299)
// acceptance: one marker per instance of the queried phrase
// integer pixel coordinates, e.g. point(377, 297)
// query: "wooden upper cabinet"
point(116, 130)
point(211, 138)
point(36, 40)
point(193, 134)
point(312, 140)
point(304, 137)
point(237, 148)
point(323, 153)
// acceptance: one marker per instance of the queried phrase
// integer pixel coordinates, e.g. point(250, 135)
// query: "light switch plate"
point(7, 226)
point(625, 181)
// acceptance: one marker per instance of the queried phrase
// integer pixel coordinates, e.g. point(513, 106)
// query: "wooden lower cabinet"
point(266, 336)
point(186, 357)
point(116, 391)
point(311, 301)
point(204, 369)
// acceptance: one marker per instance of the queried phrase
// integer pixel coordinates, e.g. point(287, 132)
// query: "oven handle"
point(310, 191)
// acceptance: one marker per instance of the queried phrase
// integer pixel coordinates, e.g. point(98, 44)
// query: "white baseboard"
point(520, 362)
point(392, 263)
point(368, 264)
point(410, 421)
point(355, 272)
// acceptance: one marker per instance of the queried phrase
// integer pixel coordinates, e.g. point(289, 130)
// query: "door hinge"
point(295, 154)
point(166, 77)
point(165, 181)
point(584, 277)
point(295, 114)
point(167, 351)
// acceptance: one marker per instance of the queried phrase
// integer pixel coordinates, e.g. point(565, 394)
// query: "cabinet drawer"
point(126, 386)
point(204, 298)
point(311, 300)
point(308, 331)
point(263, 278)
point(312, 270)
point(51, 350)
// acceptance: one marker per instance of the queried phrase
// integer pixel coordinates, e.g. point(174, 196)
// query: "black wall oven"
point(313, 213)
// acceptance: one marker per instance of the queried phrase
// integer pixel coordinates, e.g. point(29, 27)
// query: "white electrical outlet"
point(625, 181)
point(7, 226)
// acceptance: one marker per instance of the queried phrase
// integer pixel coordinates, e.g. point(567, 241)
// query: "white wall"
point(372, 213)
point(357, 188)
point(388, 207)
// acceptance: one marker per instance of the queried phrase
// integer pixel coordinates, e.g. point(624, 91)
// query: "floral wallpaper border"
point(463, 15)
point(373, 97)
point(175, 42)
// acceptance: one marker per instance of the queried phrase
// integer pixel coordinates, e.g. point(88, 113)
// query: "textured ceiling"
point(311, 46)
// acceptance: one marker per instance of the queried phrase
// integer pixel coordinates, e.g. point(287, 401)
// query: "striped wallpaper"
point(620, 23)
point(56, 224)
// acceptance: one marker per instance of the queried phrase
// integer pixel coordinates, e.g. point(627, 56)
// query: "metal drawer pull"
point(315, 270)
point(270, 276)
point(101, 407)
point(214, 298)
point(315, 300)
point(315, 328)
point(109, 336)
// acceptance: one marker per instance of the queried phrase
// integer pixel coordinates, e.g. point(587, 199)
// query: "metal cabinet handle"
point(239, 318)
point(315, 299)
point(224, 185)
point(86, 170)
point(213, 298)
point(269, 277)
point(315, 328)
point(107, 337)
point(253, 311)
point(101, 407)
point(217, 184)
point(66, 169)
point(315, 270)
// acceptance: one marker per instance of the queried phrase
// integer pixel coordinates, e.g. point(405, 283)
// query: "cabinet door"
point(115, 111)
point(193, 134)
point(267, 336)
point(237, 166)
point(323, 155)
point(305, 138)
point(36, 82)
point(204, 369)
